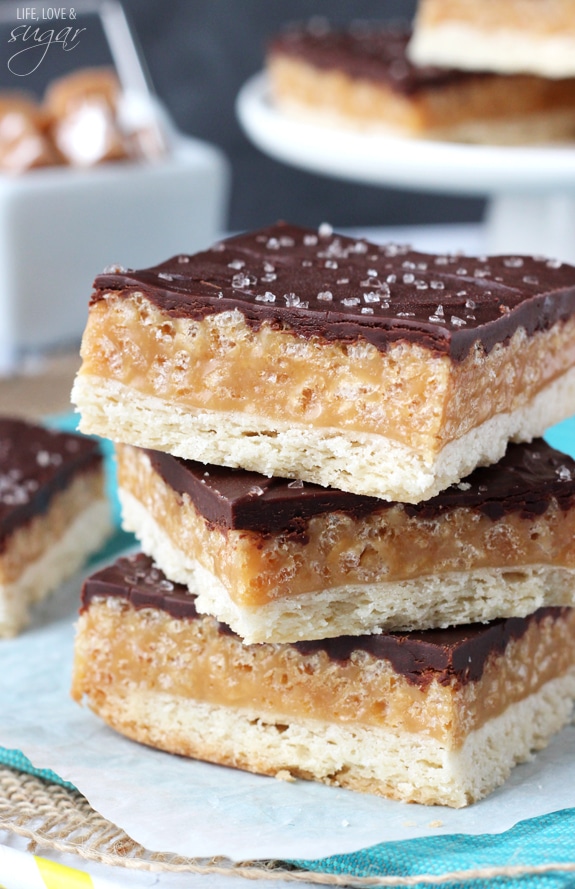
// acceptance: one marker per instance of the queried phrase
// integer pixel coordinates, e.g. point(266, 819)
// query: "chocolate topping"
point(364, 52)
point(525, 480)
point(457, 653)
point(36, 463)
point(334, 288)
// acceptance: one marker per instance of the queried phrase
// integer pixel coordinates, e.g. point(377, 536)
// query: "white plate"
point(381, 159)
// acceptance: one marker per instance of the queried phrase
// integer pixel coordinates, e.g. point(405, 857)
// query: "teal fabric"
point(539, 841)
point(532, 843)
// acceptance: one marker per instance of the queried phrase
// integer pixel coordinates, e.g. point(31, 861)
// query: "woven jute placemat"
point(54, 817)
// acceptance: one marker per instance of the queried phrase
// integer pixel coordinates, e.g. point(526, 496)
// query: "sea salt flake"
point(437, 285)
point(457, 322)
point(406, 314)
point(325, 295)
point(165, 276)
point(342, 281)
point(330, 264)
point(461, 271)
point(310, 240)
point(420, 284)
point(325, 230)
point(256, 491)
point(114, 270)
point(408, 279)
point(439, 311)
point(441, 260)
point(297, 483)
point(371, 297)
point(366, 310)
point(266, 297)
point(273, 244)
point(464, 486)
point(530, 279)
point(391, 279)
point(293, 301)
point(564, 474)
point(236, 264)
point(242, 280)
point(553, 263)
point(407, 264)
point(469, 303)
point(269, 277)
point(286, 241)
point(351, 301)
point(513, 262)
point(183, 259)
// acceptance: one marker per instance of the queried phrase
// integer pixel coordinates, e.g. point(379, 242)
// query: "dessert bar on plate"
point(436, 717)
point(53, 513)
point(536, 36)
point(362, 77)
point(304, 354)
point(282, 561)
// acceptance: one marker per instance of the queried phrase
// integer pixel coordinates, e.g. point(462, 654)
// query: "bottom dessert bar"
point(53, 513)
point(435, 717)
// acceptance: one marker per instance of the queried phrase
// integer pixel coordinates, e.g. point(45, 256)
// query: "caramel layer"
point(406, 393)
point(440, 684)
point(335, 548)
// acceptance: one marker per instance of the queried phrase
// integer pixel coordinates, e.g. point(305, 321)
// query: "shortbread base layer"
point(62, 555)
point(363, 463)
point(440, 599)
point(468, 740)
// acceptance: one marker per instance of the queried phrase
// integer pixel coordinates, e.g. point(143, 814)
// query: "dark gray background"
point(200, 52)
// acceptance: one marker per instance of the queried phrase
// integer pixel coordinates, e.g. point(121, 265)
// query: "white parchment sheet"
point(171, 804)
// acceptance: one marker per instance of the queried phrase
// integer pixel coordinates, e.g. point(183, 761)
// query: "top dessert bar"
point(536, 36)
point(374, 369)
point(363, 77)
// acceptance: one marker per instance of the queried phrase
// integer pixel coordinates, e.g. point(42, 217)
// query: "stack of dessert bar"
point(358, 561)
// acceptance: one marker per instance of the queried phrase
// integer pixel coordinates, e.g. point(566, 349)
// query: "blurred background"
point(200, 53)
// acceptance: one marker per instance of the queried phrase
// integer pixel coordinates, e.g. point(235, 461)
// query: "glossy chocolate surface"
point(364, 51)
point(35, 464)
point(328, 287)
point(457, 653)
point(524, 481)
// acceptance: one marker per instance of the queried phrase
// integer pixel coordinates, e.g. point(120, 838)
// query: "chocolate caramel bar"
point(281, 560)
point(303, 354)
point(437, 717)
point(53, 513)
point(362, 77)
point(535, 36)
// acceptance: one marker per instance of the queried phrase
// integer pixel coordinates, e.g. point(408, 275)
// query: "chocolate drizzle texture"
point(35, 464)
point(332, 288)
point(456, 654)
point(526, 480)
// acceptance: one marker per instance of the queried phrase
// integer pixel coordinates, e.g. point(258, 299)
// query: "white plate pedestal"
point(539, 224)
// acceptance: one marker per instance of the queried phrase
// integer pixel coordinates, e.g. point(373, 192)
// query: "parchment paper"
point(170, 804)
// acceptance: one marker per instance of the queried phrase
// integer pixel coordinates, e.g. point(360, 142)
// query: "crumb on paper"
point(285, 775)
point(410, 823)
point(345, 823)
point(436, 823)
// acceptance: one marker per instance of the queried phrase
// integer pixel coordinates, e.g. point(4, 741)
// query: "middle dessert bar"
point(303, 354)
point(285, 560)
